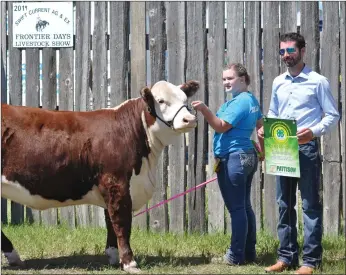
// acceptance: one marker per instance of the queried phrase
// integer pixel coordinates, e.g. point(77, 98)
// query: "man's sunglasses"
point(289, 51)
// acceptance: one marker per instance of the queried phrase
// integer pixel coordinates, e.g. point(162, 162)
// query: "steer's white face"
point(170, 105)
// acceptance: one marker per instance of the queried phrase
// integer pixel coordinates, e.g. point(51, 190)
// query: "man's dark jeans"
point(234, 178)
point(309, 182)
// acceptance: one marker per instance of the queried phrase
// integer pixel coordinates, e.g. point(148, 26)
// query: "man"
point(303, 95)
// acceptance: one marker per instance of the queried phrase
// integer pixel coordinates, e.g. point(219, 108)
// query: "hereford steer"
point(106, 157)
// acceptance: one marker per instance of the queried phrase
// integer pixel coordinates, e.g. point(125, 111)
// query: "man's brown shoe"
point(305, 270)
point(278, 267)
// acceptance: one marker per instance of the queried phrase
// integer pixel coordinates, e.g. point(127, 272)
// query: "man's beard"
point(291, 62)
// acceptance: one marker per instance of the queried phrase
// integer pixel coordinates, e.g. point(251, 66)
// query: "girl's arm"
point(219, 125)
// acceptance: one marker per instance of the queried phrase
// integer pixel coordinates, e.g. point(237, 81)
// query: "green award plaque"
point(281, 147)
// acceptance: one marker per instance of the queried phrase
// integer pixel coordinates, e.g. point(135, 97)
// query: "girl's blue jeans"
point(235, 175)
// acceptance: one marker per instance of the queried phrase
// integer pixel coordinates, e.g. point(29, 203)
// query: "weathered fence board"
point(138, 71)
point(343, 102)
point(66, 101)
point(270, 71)
point(66, 76)
point(4, 219)
point(99, 78)
point(288, 19)
point(196, 64)
point(253, 65)
point(137, 46)
point(82, 80)
point(176, 47)
point(99, 57)
point(32, 82)
point(119, 51)
point(15, 94)
point(82, 52)
point(32, 87)
point(309, 21)
point(216, 44)
point(49, 101)
point(288, 22)
point(235, 32)
point(3, 52)
point(235, 49)
point(309, 28)
point(331, 144)
point(157, 44)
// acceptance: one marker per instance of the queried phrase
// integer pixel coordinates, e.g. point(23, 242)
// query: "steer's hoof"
point(113, 255)
point(131, 268)
point(14, 259)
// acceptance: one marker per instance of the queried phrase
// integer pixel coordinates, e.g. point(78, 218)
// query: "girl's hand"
point(198, 105)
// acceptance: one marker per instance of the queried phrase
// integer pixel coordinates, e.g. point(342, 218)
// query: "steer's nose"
point(189, 119)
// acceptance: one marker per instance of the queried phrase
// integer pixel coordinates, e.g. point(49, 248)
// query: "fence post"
point(343, 102)
point(331, 143)
point(32, 83)
point(309, 28)
point(235, 32)
point(119, 51)
point(99, 79)
point(216, 55)
point(253, 48)
point(138, 71)
point(66, 102)
point(176, 54)
point(270, 71)
point(4, 219)
point(158, 219)
point(49, 101)
point(196, 68)
point(82, 81)
point(15, 94)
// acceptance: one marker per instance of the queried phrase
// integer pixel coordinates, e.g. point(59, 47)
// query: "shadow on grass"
point(267, 259)
point(89, 262)
point(100, 262)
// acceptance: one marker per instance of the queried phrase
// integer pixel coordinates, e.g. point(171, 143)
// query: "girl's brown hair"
point(240, 70)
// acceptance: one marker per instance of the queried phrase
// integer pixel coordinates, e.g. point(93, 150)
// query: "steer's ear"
point(148, 98)
point(190, 87)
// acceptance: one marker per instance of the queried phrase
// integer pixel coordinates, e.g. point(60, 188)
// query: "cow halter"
point(170, 123)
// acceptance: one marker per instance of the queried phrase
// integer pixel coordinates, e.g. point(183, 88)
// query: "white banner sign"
point(42, 24)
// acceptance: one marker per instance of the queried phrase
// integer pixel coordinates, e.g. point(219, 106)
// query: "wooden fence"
point(186, 40)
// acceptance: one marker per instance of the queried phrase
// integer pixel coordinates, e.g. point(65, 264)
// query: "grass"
point(58, 250)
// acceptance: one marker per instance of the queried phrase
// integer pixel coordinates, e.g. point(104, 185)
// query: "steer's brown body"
point(104, 157)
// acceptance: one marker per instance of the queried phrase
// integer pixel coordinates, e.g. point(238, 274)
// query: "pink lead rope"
point(176, 196)
point(259, 154)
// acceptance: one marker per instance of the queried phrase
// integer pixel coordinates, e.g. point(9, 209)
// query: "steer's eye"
point(161, 101)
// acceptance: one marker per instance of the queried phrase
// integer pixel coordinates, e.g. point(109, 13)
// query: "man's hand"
point(304, 135)
point(260, 137)
point(198, 105)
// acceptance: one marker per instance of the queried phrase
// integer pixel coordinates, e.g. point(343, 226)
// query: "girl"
point(237, 159)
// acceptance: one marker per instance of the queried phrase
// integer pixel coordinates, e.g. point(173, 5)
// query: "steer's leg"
point(112, 242)
point(117, 197)
point(10, 253)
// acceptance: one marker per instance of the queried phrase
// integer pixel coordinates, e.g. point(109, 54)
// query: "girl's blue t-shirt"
point(242, 112)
